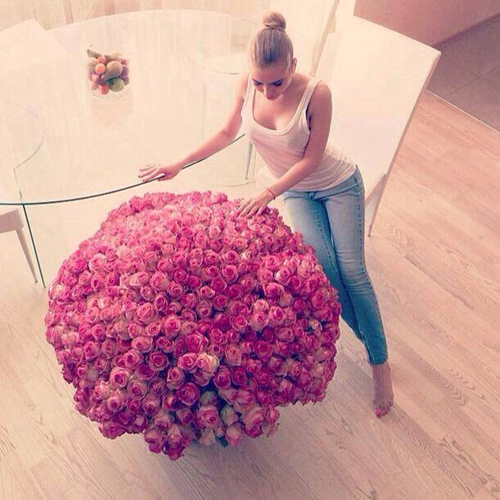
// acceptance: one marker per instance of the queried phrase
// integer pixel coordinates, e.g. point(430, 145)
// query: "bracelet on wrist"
point(272, 194)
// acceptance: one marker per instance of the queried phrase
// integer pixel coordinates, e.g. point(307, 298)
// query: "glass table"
point(68, 155)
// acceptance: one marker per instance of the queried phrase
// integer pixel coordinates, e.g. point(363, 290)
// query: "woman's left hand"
point(255, 204)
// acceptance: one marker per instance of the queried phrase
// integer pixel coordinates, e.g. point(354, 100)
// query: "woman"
point(287, 116)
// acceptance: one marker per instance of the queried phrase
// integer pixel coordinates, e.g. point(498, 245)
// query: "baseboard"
point(466, 32)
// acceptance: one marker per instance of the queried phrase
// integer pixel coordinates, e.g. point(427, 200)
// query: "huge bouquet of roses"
point(183, 322)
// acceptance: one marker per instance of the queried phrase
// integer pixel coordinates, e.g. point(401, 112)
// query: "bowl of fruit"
point(107, 73)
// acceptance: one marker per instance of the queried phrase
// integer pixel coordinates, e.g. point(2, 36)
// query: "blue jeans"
point(332, 221)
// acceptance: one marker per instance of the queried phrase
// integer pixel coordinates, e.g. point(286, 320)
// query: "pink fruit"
point(102, 59)
point(104, 89)
point(124, 72)
point(100, 68)
point(94, 86)
point(96, 78)
point(126, 80)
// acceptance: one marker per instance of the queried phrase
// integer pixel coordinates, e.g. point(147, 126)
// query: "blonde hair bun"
point(274, 20)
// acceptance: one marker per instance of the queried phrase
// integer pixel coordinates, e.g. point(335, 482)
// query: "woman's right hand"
point(166, 172)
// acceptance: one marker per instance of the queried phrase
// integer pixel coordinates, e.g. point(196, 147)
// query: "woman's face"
point(272, 80)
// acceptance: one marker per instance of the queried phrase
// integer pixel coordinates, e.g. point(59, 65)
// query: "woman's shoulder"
point(320, 86)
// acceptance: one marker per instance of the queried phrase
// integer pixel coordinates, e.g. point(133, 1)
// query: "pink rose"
point(160, 303)
point(263, 378)
point(142, 344)
point(207, 437)
point(132, 358)
point(116, 401)
point(234, 434)
point(261, 305)
point(179, 347)
point(159, 281)
point(285, 334)
point(164, 344)
point(111, 429)
point(151, 404)
point(156, 439)
point(206, 292)
point(221, 321)
point(204, 309)
point(253, 417)
point(188, 300)
point(175, 377)
point(283, 275)
point(239, 323)
point(258, 321)
point(188, 393)
point(194, 282)
point(222, 378)
point(146, 313)
point(175, 290)
point(209, 398)
point(233, 355)
point(273, 290)
point(139, 279)
point(196, 343)
point(163, 419)
point(187, 362)
point(229, 415)
point(207, 416)
point(209, 273)
point(184, 415)
point(158, 386)
point(229, 394)
point(271, 262)
point(229, 273)
point(282, 348)
point(235, 291)
point(144, 372)
point(171, 326)
point(276, 365)
point(158, 361)
point(174, 436)
point(96, 263)
point(217, 285)
point(119, 377)
point(220, 302)
point(181, 276)
point(238, 376)
point(276, 316)
point(216, 350)
point(90, 350)
point(244, 398)
point(207, 363)
point(153, 329)
point(263, 349)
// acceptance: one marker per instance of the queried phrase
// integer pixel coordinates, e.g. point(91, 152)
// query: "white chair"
point(11, 220)
point(376, 80)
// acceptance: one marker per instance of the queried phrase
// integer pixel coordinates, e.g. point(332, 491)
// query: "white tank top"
point(283, 148)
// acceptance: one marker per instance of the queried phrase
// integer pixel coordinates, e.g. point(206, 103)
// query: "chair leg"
point(378, 192)
point(22, 239)
point(249, 160)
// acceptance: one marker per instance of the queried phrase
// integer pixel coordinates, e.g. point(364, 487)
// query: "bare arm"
point(219, 140)
point(224, 135)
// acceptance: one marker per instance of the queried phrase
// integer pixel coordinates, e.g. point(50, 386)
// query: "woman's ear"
point(294, 64)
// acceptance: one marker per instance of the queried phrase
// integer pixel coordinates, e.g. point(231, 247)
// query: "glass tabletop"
point(66, 141)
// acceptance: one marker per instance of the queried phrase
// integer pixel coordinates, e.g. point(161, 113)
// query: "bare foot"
point(383, 397)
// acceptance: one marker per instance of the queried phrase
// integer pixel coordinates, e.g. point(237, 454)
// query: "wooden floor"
point(434, 258)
